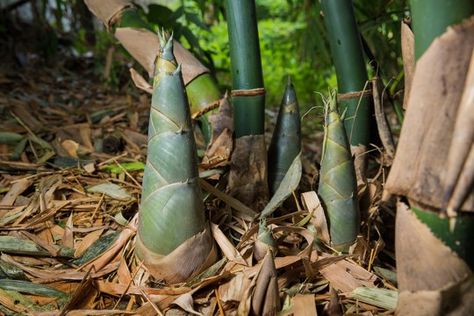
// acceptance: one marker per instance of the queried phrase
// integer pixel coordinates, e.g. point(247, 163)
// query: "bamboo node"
point(248, 92)
point(355, 94)
point(208, 108)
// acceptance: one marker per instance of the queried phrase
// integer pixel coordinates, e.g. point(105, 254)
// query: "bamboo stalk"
point(246, 67)
point(351, 72)
point(432, 17)
point(172, 219)
point(248, 174)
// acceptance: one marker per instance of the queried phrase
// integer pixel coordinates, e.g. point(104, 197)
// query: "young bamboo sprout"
point(337, 181)
point(286, 140)
point(264, 241)
point(173, 239)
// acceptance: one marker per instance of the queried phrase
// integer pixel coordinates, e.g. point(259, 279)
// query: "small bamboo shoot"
point(337, 182)
point(286, 140)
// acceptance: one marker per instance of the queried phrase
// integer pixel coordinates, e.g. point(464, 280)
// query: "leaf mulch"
point(71, 163)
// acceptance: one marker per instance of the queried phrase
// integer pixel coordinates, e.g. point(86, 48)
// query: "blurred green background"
point(292, 39)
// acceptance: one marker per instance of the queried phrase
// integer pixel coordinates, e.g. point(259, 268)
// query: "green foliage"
point(280, 52)
point(292, 40)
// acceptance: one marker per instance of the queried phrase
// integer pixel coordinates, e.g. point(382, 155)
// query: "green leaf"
point(127, 166)
point(112, 190)
point(10, 271)
point(194, 18)
point(159, 14)
point(179, 12)
point(30, 288)
point(19, 148)
point(376, 296)
point(97, 248)
point(287, 186)
point(10, 138)
point(14, 245)
point(192, 40)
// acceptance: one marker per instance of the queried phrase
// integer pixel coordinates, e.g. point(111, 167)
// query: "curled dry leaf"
point(288, 185)
point(226, 246)
point(186, 302)
point(408, 55)
point(81, 295)
point(382, 124)
point(16, 189)
point(346, 276)
point(142, 44)
point(264, 241)
point(333, 308)
point(219, 151)
point(71, 147)
point(140, 82)
point(68, 237)
point(318, 219)
point(360, 165)
point(87, 241)
point(266, 299)
point(106, 257)
point(233, 291)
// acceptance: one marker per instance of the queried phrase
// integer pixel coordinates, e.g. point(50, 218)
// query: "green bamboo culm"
point(337, 181)
point(172, 209)
point(351, 72)
point(246, 67)
point(202, 90)
point(430, 19)
point(286, 139)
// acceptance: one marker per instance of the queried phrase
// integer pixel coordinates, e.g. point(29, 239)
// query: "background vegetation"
point(292, 39)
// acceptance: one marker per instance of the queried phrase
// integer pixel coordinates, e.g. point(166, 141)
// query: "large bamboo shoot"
point(173, 240)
